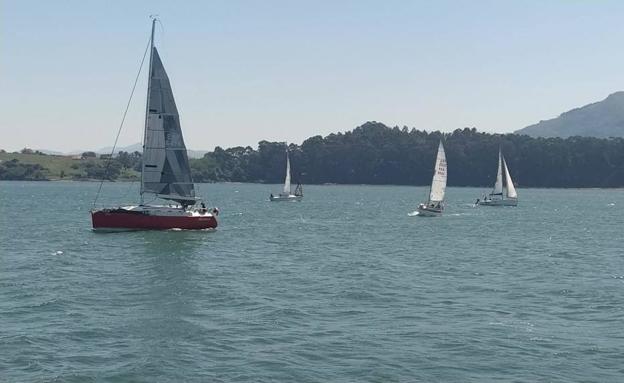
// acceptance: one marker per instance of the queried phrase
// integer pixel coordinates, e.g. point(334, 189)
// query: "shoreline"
point(488, 187)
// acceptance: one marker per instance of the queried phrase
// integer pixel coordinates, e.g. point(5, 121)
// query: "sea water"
point(345, 286)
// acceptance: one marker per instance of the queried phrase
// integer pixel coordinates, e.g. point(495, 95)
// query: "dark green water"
point(342, 287)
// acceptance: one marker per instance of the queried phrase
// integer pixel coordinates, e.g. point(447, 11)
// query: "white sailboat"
point(501, 195)
point(286, 194)
point(435, 205)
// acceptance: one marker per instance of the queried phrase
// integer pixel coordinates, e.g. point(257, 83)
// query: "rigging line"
point(123, 119)
point(162, 33)
point(162, 26)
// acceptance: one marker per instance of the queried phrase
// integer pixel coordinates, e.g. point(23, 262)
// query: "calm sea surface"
point(342, 287)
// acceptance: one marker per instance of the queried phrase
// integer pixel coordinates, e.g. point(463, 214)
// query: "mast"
point(149, 86)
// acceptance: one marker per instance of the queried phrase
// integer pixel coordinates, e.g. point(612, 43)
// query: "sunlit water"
point(345, 286)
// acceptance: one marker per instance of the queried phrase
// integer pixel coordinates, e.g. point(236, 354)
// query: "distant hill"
point(52, 152)
point(129, 149)
point(139, 148)
point(601, 119)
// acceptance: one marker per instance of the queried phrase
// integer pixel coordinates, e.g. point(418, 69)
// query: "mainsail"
point(287, 180)
point(511, 190)
point(498, 186)
point(166, 171)
point(438, 184)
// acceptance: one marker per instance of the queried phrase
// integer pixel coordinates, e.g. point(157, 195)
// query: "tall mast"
point(149, 87)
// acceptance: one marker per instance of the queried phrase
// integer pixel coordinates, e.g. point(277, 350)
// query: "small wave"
point(412, 214)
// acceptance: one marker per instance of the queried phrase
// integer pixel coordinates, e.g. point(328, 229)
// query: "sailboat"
point(498, 196)
point(435, 205)
point(165, 170)
point(286, 194)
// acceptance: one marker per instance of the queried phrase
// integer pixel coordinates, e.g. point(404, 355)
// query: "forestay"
point(166, 170)
point(511, 190)
point(438, 184)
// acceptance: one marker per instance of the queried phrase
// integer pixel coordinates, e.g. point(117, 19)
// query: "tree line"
point(376, 154)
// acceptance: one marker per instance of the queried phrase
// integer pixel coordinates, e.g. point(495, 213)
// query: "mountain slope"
point(600, 119)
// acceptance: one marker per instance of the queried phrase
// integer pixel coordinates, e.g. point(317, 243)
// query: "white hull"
point(499, 202)
point(281, 197)
point(426, 211)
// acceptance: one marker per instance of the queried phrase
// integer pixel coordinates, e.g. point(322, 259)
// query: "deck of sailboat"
point(161, 210)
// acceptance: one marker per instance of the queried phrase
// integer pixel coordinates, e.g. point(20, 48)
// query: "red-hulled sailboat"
point(165, 170)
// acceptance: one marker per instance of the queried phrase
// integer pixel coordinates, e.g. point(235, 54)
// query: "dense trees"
point(376, 154)
point(129, 160)
point(108, 168)
point(14, 170)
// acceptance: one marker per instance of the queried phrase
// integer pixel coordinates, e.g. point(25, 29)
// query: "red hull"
point(134, 221)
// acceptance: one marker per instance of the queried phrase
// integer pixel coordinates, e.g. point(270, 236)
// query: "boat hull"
point(499, 202)
point(124, 219)
point(278, 198)
point(426, 211)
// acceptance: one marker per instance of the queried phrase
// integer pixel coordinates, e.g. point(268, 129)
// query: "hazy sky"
point(243, 71)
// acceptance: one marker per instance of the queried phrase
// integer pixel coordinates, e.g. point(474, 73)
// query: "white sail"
point(438, 184)
point(287, 180)
point(511, 190)
point(498, 186)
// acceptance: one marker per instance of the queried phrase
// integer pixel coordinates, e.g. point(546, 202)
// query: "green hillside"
point(56, 167)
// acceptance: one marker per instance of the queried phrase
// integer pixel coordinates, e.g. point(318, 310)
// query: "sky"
point(280, 70)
